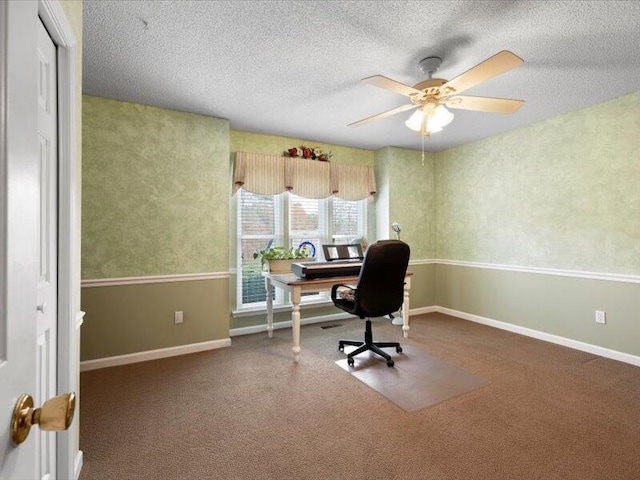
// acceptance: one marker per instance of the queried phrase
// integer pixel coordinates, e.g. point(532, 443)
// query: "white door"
point(47, 306)
point(20, 207)
point(28, 228)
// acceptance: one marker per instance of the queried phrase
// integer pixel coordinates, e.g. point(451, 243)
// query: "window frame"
point(283, 235)
point(277, 236)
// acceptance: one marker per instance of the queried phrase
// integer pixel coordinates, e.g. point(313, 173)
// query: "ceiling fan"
point(431, 96)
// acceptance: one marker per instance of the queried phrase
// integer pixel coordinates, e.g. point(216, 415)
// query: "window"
point(306, 221)
point(287, 219)
point(258, 226)
point(347, 220)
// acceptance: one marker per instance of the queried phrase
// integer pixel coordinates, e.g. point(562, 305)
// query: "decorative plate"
point(308, 248)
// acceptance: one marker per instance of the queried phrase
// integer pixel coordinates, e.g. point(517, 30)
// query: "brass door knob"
point(56, 414)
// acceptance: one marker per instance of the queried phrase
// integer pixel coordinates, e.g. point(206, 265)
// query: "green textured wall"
point(155, 191)
point(411, 200)
point(135, 318)
point(562, 306)
point(423, 285)
point(155, 202)
point(241, 141)
point(406, 194)
point(562, 193)
point(383, 172)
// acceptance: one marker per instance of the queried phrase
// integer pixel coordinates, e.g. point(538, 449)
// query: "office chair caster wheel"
point(341, 348)
point(350, 362)
point(399, 349)
point(390, 363)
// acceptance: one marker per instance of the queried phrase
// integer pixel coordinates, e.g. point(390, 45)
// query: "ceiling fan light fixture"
point(436, 119)
point(415, 121)
point(441, 117)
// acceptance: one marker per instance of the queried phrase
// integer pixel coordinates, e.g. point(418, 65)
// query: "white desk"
point(297, 286)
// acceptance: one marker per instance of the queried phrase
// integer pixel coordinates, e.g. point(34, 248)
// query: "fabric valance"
point(271, 175)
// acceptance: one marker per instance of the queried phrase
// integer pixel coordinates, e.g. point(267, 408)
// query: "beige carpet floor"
point(247, 412)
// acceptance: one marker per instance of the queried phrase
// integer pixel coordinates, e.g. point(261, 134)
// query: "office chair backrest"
point(381, 280)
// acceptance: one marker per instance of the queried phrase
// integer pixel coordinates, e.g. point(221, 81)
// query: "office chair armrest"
point(334, 290)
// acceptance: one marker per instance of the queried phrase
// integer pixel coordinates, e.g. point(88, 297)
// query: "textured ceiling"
point(294, 68)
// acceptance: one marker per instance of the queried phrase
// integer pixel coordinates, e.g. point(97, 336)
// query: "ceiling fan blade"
point(501, 62)
point(388, 84)
point(382, 115)
point(484, 104)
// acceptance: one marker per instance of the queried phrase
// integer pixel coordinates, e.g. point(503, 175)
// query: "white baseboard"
point(234, 332)
point(547, 337)
point(153, 354)
point(422, 310)
point(77, 465)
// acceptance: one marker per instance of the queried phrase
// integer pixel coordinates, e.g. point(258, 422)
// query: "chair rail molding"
point(611, 277)
point(423, 261)
point(179, 277)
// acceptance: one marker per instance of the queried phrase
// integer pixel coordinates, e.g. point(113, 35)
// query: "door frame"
point(68, 455)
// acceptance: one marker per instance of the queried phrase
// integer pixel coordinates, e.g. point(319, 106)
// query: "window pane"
point(304, 214)
point(346, 217)
point(253, 289)
point(257, 220)
point(257, 213)
point(248, 247)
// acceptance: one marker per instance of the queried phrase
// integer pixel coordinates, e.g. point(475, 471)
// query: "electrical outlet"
point(178, 317)
point(601, 317)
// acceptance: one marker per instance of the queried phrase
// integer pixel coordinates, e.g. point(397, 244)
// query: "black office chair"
point(379, 292)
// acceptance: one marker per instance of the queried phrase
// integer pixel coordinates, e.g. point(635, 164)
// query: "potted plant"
point(280, 258)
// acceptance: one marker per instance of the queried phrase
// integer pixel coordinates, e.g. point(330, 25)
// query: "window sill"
point(250, 311)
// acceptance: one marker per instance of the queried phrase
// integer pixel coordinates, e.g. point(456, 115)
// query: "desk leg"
point(405, 308)
point(269, 288)
point(295, 320)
